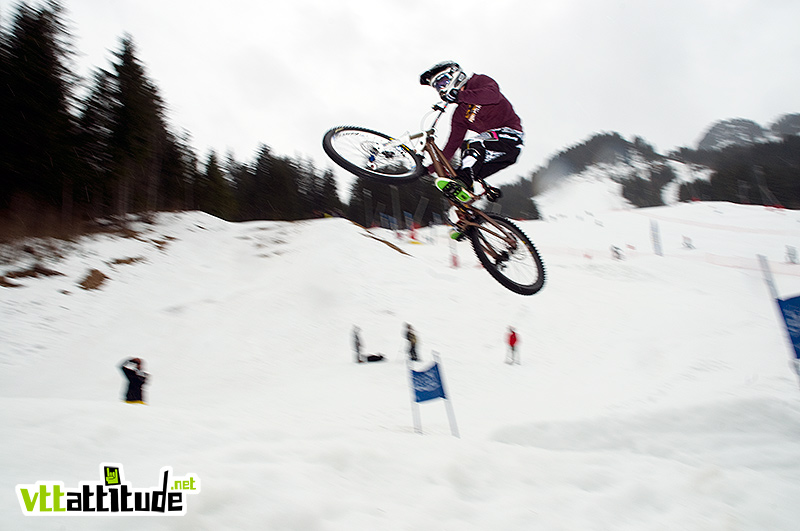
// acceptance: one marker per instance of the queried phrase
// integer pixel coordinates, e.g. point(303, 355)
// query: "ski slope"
point(654, 393)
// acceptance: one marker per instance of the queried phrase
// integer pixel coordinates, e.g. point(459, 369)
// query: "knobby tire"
point(524, 261)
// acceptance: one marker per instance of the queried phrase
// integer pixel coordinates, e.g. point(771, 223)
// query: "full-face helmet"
point(446, 78)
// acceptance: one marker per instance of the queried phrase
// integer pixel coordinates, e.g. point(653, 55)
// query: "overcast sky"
point(241, 73)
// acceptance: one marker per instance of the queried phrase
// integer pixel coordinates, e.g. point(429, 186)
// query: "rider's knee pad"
point(471, 152)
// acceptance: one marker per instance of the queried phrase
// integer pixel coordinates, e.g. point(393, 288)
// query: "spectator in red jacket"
point(512, 346)
point(483, 109)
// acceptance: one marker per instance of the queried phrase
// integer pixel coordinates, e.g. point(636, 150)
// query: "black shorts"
point(494, 150)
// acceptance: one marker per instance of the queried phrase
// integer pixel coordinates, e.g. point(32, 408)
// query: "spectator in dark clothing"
point(133, 370)
point(357, 343)
point(412, 343)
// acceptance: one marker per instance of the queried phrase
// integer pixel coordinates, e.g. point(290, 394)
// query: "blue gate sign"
point(428, 384)
point(791, 313)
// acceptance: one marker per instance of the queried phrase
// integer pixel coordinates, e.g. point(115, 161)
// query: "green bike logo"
point(112, 495)
point(111, 475)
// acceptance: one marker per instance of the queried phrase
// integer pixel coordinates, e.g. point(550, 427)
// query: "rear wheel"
point(508, 255)
point(373, 155)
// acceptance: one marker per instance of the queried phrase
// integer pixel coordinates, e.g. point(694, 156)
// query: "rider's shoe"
point(453, 188)
point(459, 230)
point(457, 235)
point(466, 177)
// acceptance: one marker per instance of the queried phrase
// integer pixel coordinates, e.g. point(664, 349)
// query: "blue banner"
point(428, 384)
point(791, 313)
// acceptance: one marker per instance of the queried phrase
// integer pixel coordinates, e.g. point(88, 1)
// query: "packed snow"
point(654, 392)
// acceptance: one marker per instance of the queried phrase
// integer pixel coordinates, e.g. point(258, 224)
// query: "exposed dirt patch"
point(93, 280)
point(162, 244)
point(390, 244)
point(36, 271)
point(5, 283)
point(126, 261)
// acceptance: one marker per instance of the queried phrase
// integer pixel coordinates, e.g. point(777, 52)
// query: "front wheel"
point(373, 155)
point(508, 255)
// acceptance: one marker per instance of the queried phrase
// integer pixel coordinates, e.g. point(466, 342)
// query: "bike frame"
point(443, 168)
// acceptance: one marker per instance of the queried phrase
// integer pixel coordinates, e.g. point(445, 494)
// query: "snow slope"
point(654, 392)
point(598, 188)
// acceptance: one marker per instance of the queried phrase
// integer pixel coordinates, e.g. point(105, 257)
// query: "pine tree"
point(178, 173)
point(38, 136)
point(214, 192)
point(139, 136)
point(282, 190)
point(256, 187)
point(7, 178)
point(330, 202)
point(96, 124)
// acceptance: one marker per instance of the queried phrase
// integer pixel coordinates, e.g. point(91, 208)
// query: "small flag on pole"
point(790, 310)
point(429, 385)
point(791, 314)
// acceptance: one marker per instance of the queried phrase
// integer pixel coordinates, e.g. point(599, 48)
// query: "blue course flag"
point(791, 313)
point(428, 384)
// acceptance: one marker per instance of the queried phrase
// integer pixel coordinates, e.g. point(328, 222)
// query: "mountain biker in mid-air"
point(483, 109)
point(503, 250)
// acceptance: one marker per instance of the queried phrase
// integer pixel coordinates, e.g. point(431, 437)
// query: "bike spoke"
point(373, 153)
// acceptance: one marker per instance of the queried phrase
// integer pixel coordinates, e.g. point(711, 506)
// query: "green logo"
point(111, 495)
point(111, 475)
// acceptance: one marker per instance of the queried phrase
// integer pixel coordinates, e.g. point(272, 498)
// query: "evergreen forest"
point(70, 156)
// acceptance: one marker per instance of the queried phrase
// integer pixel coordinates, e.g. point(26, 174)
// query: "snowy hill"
point(612, 173)
point(743, 132)
point(654, 392)
point(596, 187)
point(735, 132)
point(607, 172)
point(599, 187)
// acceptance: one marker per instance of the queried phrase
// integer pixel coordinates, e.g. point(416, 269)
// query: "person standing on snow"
point(133, 370)
point(512, 346)
point(483, 109)
point(412, 343)
point(357, 343)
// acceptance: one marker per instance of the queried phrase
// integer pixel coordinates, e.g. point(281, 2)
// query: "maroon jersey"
point(481, 107)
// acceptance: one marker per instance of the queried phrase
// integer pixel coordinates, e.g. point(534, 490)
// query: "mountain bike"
point(501, 247)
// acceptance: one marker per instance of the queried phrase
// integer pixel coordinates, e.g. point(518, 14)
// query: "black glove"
point(493, 194)
point(450, 96)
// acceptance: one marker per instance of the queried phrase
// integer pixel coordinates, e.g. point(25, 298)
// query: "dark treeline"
point(766, 173)
point(74, 150)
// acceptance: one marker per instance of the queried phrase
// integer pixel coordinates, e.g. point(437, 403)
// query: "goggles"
point(442, 80)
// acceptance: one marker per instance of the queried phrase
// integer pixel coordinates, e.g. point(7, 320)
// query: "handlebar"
point(440, 108)
point(437, 107)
